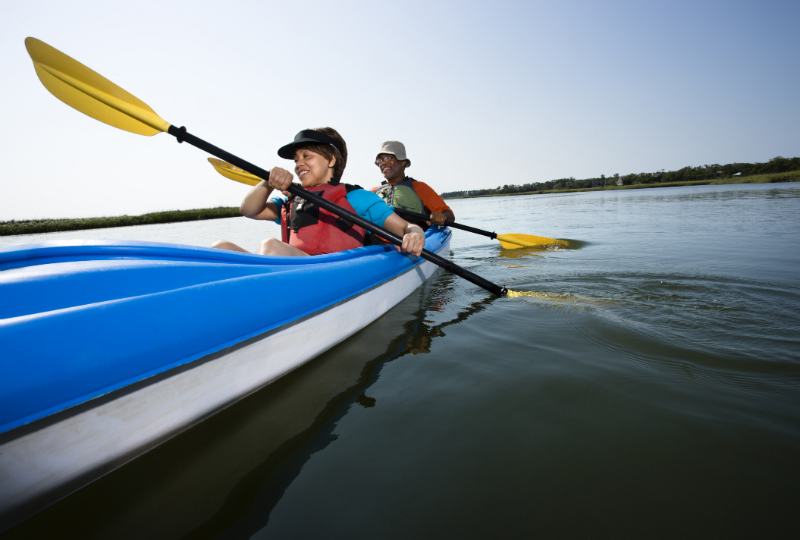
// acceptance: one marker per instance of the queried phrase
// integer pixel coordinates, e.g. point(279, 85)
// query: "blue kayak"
point(110, 348)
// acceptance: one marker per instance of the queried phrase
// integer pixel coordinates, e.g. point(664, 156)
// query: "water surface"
point(649, 389)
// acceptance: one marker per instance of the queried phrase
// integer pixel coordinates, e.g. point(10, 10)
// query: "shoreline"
point(40, 226)
point(793, 176)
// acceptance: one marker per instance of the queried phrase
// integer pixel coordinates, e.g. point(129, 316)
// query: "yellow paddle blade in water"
point(91, 93)
point(544, 296)
point(517, 294)
point(232, 172)
point(516, 241)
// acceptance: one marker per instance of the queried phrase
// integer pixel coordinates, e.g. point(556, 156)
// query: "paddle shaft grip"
point(447, 223)
point(183, 136)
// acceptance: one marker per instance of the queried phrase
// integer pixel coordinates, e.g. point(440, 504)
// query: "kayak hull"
point(205, 349)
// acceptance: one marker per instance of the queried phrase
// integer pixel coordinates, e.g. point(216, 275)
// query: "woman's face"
point(312, 169)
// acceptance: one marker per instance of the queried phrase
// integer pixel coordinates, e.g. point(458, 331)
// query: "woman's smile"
point(312, 169)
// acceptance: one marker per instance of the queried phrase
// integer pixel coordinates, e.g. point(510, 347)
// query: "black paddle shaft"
point(183, 136)
point(447, 223)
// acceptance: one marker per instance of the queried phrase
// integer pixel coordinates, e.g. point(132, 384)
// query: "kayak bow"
point(111, 348)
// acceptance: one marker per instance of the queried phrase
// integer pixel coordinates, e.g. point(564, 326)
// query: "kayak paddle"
point(234, 173)
point(508, 241)
point(94, 95)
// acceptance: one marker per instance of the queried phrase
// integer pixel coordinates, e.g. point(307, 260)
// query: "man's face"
point(392, 169)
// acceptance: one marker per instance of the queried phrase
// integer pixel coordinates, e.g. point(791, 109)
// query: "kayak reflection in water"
point(320, 156)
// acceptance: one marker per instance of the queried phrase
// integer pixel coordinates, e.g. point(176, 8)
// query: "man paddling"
point(401, 191)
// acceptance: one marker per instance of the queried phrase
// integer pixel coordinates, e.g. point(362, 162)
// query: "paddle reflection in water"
point(224, 476)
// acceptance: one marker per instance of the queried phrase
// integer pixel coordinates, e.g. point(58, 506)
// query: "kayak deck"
point(88, 319)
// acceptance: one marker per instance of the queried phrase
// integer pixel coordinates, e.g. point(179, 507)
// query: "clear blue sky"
point(482, 93)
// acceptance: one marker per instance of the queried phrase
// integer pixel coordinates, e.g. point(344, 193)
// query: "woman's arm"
point(413, 236)
point(256, 204)
point(371, 207)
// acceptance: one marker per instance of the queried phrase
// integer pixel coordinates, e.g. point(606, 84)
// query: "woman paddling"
point(320, 156)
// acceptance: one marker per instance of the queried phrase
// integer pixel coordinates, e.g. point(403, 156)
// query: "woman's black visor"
point(307, 136)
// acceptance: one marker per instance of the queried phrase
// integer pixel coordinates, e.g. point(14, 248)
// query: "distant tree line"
point(37, 226)
point(687, 174)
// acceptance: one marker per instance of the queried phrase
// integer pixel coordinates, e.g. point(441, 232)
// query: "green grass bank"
point(38, 226)
point(793, 176)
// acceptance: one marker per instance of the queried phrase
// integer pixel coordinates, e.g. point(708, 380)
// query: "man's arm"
point(439, 217)
point(439, 211)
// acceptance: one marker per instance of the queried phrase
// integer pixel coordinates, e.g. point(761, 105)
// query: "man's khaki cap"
point(396, 149)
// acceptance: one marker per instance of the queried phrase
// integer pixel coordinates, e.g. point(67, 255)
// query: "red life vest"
point(317, 231)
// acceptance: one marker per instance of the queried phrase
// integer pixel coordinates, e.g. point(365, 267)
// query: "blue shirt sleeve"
point(369, 206)
point(279, 201)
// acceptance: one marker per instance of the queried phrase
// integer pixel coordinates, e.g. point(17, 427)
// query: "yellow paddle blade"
point(91, 93)
point(516, 241)
point(233, 172)
point(545, 296)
